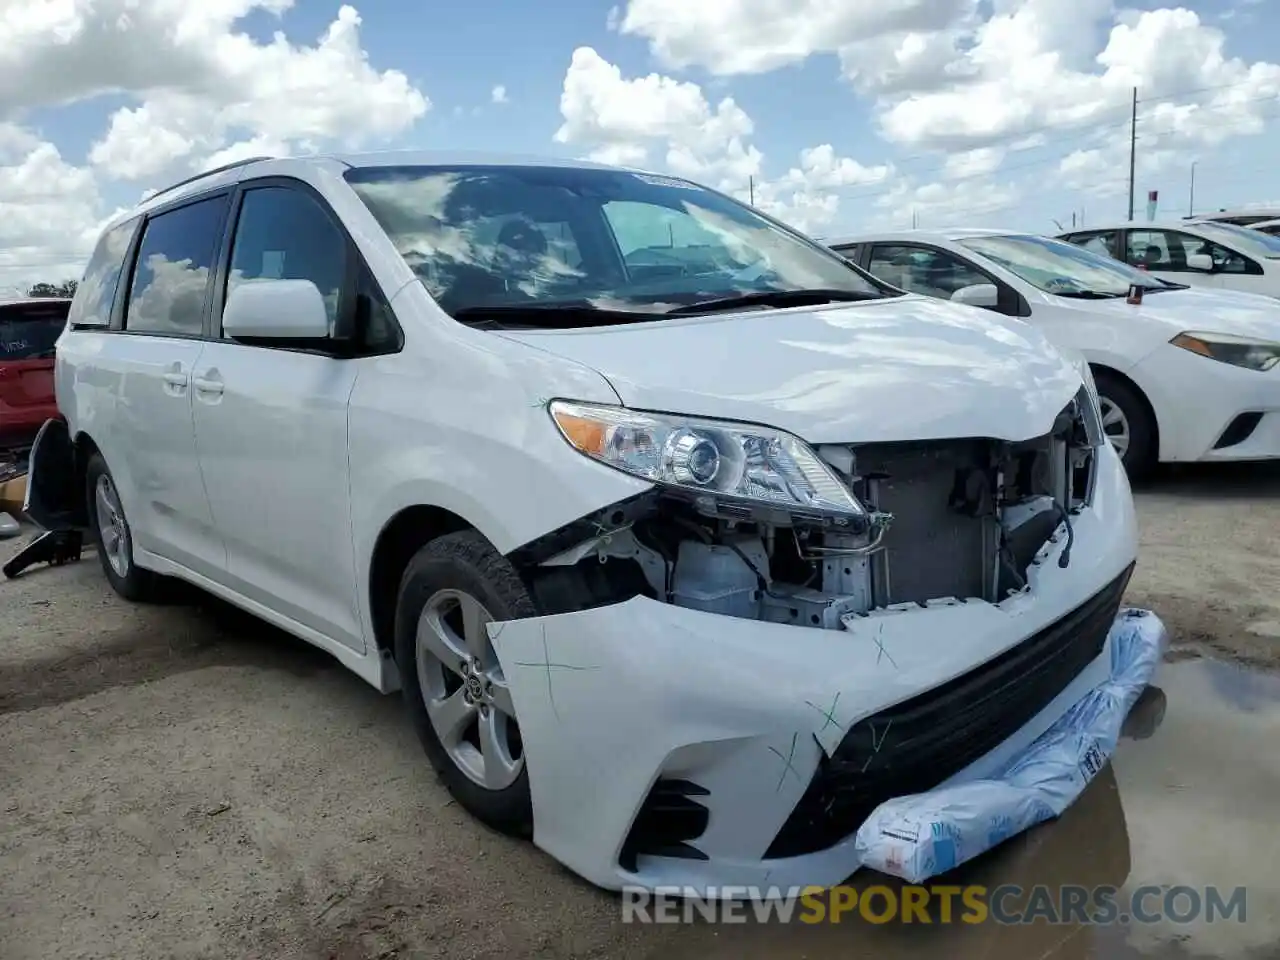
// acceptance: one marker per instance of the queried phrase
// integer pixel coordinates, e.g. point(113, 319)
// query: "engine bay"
point(948, 520)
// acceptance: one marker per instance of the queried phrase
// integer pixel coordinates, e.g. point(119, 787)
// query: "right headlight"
point(1238, 351)
point(714, 462)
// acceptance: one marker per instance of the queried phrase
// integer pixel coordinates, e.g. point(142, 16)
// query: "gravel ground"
point(183, 781)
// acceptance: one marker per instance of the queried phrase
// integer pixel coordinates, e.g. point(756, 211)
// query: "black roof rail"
point(208, 173)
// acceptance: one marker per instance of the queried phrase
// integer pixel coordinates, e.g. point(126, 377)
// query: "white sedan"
point(1185, 374)
point(1202, 253)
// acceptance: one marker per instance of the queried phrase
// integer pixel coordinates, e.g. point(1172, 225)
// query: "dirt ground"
point(183, 781)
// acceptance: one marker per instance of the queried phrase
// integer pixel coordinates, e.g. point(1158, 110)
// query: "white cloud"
point(754, 36)
point(499, 94)
point(658, 121)
point(290, 94)
point(1025, 75)
point(199, 92)
point(942, 204)
point(49, 212)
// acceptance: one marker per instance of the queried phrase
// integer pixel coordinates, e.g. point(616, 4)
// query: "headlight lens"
point(1238, 351)
point(712, 457)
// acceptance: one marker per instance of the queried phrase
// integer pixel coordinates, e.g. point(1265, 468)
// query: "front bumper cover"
point(706, 735)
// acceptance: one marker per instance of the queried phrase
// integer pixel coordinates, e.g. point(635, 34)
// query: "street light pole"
point(1191, 200)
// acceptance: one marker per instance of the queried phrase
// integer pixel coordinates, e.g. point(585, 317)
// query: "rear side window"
point(29, 331)
point(170, 289)
point(97, 290)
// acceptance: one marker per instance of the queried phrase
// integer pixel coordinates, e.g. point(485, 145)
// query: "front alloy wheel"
point(1115, 425)
point(453, 685)
point(464, 691)
point(1128, 423)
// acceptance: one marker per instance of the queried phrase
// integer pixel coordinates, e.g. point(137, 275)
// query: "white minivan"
point(634, 492)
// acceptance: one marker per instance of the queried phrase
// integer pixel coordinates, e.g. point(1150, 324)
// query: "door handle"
point(176, 379)
point(210, 383)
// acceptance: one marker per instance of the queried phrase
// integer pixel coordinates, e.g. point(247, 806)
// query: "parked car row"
point(1202, 254)
point(687, 540)
point(1186, 374)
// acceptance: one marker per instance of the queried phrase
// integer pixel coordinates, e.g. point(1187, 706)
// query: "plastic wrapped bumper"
point(921, 836)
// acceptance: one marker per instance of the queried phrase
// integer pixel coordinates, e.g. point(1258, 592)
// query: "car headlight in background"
point(725, 460)
point(1237, 351)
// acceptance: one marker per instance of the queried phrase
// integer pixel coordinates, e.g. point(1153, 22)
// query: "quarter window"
point(1104, 244)
point(170, 290)
point(283, 234)
point(96, 292)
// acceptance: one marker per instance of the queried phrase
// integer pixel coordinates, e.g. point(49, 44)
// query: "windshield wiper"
point(775, 298)
point(1091, 295)
point(578, 313)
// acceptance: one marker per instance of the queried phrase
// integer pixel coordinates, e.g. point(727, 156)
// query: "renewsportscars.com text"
point(936, 904)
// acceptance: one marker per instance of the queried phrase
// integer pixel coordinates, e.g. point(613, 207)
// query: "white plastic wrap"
point(918, 837)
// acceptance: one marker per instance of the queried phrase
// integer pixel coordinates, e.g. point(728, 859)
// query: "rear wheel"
point(111, 534)
point(455, 690)
point(1128, 424)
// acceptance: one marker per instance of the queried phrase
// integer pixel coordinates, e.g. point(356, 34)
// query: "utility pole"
point(1133, 149)
point(1191, 200)
point(913, 218)
point(751, 187)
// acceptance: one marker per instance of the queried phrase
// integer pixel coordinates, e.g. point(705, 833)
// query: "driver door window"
point(932, 273)
point(1167, 251)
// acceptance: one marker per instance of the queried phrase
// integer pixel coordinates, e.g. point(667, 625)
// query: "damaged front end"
point(813, 538)
point(731, 674)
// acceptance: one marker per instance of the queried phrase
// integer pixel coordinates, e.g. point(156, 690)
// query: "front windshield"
point(524, 236)
point(1061, 268)
point(1255, 243)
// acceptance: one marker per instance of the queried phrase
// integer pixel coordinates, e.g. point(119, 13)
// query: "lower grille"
point(913, 746)
point(669, 820)
point(1239, 430)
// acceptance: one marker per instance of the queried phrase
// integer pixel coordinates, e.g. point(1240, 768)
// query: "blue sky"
point(1009, 112)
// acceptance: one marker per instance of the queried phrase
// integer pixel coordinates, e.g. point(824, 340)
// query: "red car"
point(28, 331)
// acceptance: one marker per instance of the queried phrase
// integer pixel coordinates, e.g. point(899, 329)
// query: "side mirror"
point(276, 310)
point(977, 295)
point(1200, 262)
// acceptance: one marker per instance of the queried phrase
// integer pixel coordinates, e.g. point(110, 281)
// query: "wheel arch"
point(402, 536)
point(1109, 371)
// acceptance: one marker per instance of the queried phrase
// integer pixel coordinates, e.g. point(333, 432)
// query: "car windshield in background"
point(1062, 268)
point(1255, 243)
point(29, 331)
point(546, 245)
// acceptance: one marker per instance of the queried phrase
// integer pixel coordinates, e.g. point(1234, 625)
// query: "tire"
point(436, 592)
point(115, 553)
point(1118, 397)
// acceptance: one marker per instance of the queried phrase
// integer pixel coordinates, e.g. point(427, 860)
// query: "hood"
point(1201, 310)
point(906, 368)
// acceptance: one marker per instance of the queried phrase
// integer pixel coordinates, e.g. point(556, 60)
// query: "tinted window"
point(284, 234)
point(29, 331)
point(481, 236)
point(1167, 250)
point(97, 290)
point(932, 273)
point(171, 279)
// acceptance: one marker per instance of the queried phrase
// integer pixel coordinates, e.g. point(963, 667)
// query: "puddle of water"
point(1190, 799)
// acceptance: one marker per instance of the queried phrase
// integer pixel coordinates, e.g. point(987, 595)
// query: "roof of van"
point(236, 171)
